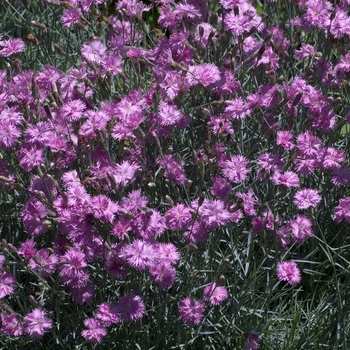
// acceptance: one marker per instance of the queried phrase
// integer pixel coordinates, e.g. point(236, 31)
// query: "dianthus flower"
point(103, 208)
point(288, 271)
point(167, 251)
point(301, 228)
point(173, 168)
point(73, 269)
point(9, 133)
point(70, 17)
point(130, 308)
point(33, 216)
point(283, 139)
point(205, 74)
point(215, 294)
point(139, 254)
point(36, 323)
point(237, 109)
point(11, 324)
point(163, 273)
point(95, 330)
point(11, 47)
point(106, 315)
point(248, 202)
point(307, 198)
point(333, 158)
point(236, 169)
point(169, 114)
point(7, 284)
point(213, 214)
point(288, 179)
point(83, 295)
point(253, 341)
point(342, 211)
point(73, 110)
point(94, 51)
point(178, 217)
point(191, 311)
point(341, 177)
point(27, 249)
point(43, 262)
point(308, 144)
point(124, 173)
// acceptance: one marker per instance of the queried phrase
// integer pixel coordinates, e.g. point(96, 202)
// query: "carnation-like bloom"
point(11, 47)
point(178, 217)
point(43, 262)
point(236, 169)
point(94, 51)
point(7, 284)
point(36, 323)
point(95, 330)
point(163, 273)
point(307, 198)
point(215, 294)
point(73, 110)
point(253, 341)
point(103, 208)
point(139, 254)
point(70, 17)
point(288, 179)
point(11, 324)
point(288, 271)
point(342, 211)
point(167, 251)
point(191, 311)
point(284, 139)
point(205, 74)
point(213, 214)
point(301, 228)
point(130, 308)
point(105, 314)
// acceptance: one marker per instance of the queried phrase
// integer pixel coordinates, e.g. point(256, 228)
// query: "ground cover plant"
point(174, 175)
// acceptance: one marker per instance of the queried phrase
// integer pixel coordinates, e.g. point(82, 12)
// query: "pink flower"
point(73, 110)
point(106, 315)
point(248, 202)
point(7, 284)
point(288, 271)
point(103, 208)
point(307, 198)
point(342, 211)
point(173, 168)
point(308, 144)
point(169, 114)
point(191, 311)
point(178, 217)
point(43, 262)
point(213, 214)
point(130, 308)
point(30, 157)
point(236, 169)
point(221, 188)
point(9, 133)
point(333, 158)
point(301, 228)
point(95, 330)
point(205, 74)
point(124, 173)
point(237, 109)
point(11, 324)
point(139, 254)
point(341, 177)
point(73, 269)
point(11, 47)
point(33, 216)
point(283, 139)
point(253, 341)
point(167, 251)
point(163, 273)
point(288, 179)
point(27, 249)
point(215, 294)
point(94, 51)
point(36, 323)
point(70, 17)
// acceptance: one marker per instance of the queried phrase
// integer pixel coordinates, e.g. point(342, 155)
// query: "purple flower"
point(173, 168)
point(7, 284)
point(253, 341)
point(169, 114)
point(94, 51)
point(205, 74)
point(301, 228)
point(30, 157)
point(178, 217)
point(139, 254)
point(288, 271)
point(27, 249)
point(43, 262)
point(191, 311)
point(167, 251)
point(73, 269)
point(236, 169)
point(237, 109)
point(95, 330)
point(307, 198)
point(103, 208)
point(130, 308)
point(33, 216)
point(84, 294)
point(106, 315)
point(11, 47)
point(73, 110)
point(70, 17)
point(36, 323)
point(248, 202)
point(125, 172)
point(342, 211)
point(163, 273)
point(288, 179)
point(308, 144)
point(11, 324)
point(283, 139)
point(215, 294)
point(9, 133)
point(213, 214)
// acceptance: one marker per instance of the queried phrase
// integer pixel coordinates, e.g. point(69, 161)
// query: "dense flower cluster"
point(159, 142)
